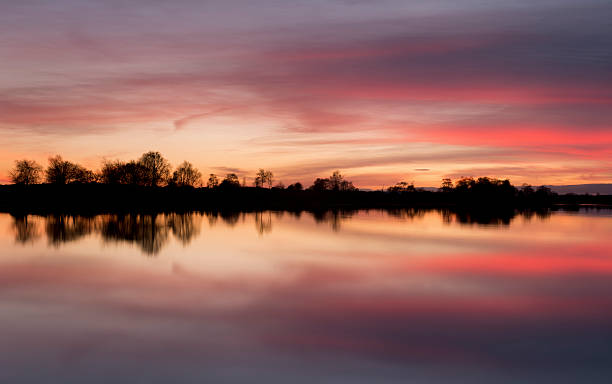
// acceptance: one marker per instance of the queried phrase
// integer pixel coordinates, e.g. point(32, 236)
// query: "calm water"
point(368, 297)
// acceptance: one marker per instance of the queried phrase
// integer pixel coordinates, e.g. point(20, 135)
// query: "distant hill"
point(430, 189)
point(602, 189)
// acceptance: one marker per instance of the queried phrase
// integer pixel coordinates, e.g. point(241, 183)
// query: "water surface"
point(273, 297)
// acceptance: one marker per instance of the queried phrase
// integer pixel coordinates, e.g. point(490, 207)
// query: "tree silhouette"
point(156, 168)
point(402, 186)
point(338, 183)
point(295, 187)
point(264, 177)
point(213, 181)
point(447, 185)
point(60, 171)
point(111, 172)
point(26, 172)
point(230, 181)
point(186, 175)
point(320, 185)
point(117, 172)
point(464, 184)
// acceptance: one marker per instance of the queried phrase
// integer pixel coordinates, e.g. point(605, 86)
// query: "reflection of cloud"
point(393, 313)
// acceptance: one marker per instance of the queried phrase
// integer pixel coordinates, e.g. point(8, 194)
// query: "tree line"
point(481, 188)
point(152, 170)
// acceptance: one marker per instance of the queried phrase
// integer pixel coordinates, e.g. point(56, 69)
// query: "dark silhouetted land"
point(124, 198)
point(149, 184)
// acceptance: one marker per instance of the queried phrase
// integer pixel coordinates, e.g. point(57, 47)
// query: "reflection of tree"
point(447, 216)
point(26, 231)
point(295, 214)
point(496, 218)
point(407, 213)
point(230, 217)
point(145, 230)
point(472, 216)
point(212, 217)
point(63, 228)
point(263, 222)
point(184, 226)
point(333, 217)
point(543, 214)
point(151, 232)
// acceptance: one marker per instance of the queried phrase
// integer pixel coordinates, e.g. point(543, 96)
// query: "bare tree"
point(61, 171)
point(187, 175)
point(156, 168)
point(338, 183)
point(269, 178)
point(264, 177)
point(213, 181)
point(26, 172)
point(259, 178)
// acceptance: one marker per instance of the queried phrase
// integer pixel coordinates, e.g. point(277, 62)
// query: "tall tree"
point(156, 168)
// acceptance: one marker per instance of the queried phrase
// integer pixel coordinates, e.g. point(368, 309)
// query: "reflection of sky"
point(384, 90)
point(377, 299)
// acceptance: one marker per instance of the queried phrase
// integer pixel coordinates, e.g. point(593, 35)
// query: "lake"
point(279, 297)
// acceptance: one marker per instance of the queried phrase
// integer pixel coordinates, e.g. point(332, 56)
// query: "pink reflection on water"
point(381, 290)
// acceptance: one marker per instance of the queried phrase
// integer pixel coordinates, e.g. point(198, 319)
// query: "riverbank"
point(98, 198)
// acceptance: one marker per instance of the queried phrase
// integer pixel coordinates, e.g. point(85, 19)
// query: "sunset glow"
point(385, 91)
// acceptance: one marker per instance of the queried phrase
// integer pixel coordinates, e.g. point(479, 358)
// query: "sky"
point(383, 91)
